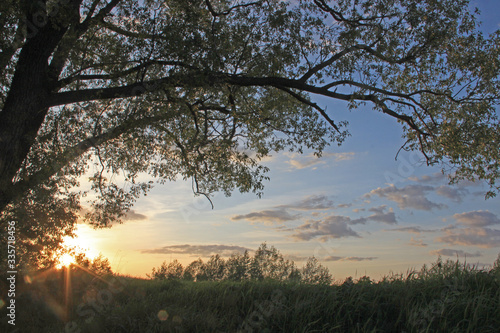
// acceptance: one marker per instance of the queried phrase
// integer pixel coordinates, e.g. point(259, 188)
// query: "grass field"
point(444, 297)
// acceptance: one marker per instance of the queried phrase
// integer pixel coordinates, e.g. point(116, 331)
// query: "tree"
point(268, 263)
point(215, 268)
point(195, 271)
point(170, 271)
point(237, 267)
point(99, 265)
point(314, 272)
point(204, 89)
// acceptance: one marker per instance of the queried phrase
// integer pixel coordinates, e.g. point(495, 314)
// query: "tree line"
point(266, 264)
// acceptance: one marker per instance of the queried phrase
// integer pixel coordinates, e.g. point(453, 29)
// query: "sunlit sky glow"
point(357, 209)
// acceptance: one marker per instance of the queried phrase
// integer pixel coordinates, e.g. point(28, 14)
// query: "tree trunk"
point(24, 110)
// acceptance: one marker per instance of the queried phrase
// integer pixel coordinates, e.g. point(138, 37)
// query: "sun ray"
point(65, 260)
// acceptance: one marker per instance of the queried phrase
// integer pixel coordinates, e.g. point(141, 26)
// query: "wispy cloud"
point(410, 196)
point(430, 179)
point(298, 161)
point(440, 178)
point(335, 258)
point(452, 193)
point(269, 217)
point(453, 253)
point(344, 205)
point(481, 237)
point(417, 242)
point(280, 213)
point(312, 202)
point(198, 250)
point(331, 227)
point(414, 230)
point(359, 258)
point(131, 215)
point(478, 218)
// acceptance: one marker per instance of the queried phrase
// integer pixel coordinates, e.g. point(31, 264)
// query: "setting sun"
point(65, 261)
point(82, 242)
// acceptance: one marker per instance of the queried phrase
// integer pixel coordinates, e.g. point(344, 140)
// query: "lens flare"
point(162, 315)
point(65, 260)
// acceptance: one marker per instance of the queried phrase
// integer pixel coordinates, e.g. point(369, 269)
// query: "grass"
point(448, 297)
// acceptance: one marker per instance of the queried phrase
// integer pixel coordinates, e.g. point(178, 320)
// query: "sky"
point(358, 209)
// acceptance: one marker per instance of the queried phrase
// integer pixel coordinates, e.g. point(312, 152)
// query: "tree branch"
point(87, 77)
point(326, 63)
point(281, 83)
point(76, 151)
point(313, 105)
point(140, 35)
point(227, 12)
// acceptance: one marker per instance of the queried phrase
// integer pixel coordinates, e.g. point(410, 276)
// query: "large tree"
point(204, 89)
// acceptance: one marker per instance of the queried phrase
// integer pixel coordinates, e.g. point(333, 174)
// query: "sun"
point(65, 260)
point(83, 242)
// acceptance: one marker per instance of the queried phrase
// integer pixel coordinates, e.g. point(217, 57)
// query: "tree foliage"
point(315, 273)
point(204, 89)
point(171, 271)
point(99, 265)
point(267, 264)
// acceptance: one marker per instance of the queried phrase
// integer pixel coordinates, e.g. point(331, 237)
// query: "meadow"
point(446, 296)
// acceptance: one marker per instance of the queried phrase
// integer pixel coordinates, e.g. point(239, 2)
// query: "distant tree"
point(194, 271)
point(238, 266)
point(170, 271)
point(269, 263)
point(99, 265)
point(215, 268)
point(314, 272)
point(205, 89)
point(266, 264)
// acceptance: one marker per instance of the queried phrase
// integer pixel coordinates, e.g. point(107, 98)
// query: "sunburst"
point(65, 260)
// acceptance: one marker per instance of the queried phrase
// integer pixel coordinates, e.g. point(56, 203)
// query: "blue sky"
point(357, 209)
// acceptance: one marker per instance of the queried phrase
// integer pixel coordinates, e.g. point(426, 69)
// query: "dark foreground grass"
point(446, 298)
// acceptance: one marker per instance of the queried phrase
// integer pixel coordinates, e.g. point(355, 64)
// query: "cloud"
point(269, 217)
point(454, 253)
point(426, 179)
point(340, 156)
point(454, 194)
point(302, 164)
point(198, 250)
point(481, 237)
point(359, 258)
point(299, 161)
point(417, 242)
point(414, 230)
point(438, 177)
point(312, 202)
point(478, 218)
point(410, 196)
point(382, 216)
point(335, 258)
point(332, 258)
point(344, 205)
point(331, 227)
point(280, 214)
point(131, 215)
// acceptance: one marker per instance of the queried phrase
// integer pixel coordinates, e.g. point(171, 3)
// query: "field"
point(444, 297)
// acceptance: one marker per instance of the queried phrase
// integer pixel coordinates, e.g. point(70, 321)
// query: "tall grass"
point(444, 297)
